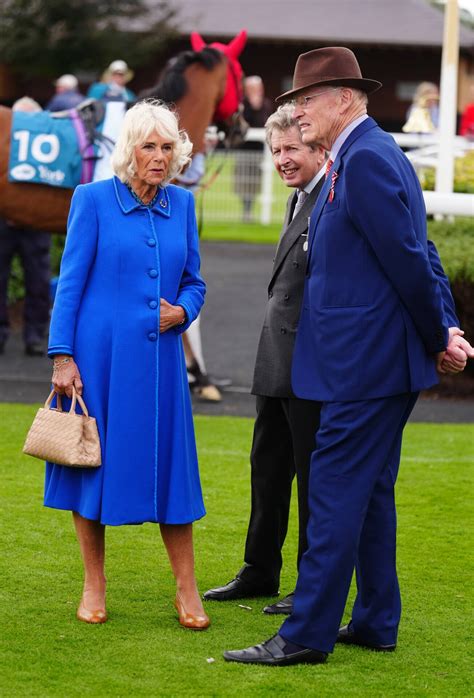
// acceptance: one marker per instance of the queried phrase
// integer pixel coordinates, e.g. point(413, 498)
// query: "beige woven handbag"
point(65, 438)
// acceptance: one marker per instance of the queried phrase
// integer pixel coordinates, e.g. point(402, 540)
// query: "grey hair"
point(26, 104)
point(360, 96)
point(253, 80)
point(281, 120)
point(144, 118)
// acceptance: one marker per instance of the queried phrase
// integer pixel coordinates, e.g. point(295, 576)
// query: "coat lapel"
point(293, 229)
point(365, 126)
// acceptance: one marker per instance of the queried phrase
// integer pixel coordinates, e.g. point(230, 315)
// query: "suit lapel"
point(293, 229)
point(365, 126)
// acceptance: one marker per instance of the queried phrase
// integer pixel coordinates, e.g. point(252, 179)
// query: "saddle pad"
point(44, 150)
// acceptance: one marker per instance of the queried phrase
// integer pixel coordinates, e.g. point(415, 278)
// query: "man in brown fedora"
point(376, 321)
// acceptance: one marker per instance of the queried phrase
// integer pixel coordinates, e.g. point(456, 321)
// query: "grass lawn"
point(142, 651)
point(241, 232)
point(454, 242)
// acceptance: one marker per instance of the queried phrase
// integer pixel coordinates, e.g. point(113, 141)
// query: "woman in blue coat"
point(129, 286)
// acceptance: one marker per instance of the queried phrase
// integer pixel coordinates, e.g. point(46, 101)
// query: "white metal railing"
point(248, 187)
point(449, 204)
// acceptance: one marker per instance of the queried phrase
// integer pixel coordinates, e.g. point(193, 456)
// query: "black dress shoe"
point(276, 652)
point(348, 636)
point(34, 350)
point(283, 606)
point(238, 589)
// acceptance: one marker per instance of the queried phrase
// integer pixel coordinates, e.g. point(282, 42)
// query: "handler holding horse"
point(129, 286)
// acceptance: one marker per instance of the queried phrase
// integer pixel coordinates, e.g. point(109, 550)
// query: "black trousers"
point(283, 440)
point(33, 247)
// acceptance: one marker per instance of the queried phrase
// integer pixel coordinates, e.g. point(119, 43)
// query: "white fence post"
point(447, 111)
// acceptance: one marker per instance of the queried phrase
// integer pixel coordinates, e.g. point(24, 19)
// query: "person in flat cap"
point(112, 87)
point(377, 324)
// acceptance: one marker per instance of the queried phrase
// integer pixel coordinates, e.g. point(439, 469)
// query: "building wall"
point(399, 69)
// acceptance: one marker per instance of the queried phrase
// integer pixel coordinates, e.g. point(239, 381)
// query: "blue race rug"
point(44, 150)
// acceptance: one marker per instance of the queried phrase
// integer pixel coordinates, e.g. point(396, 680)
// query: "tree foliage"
point(50, 37)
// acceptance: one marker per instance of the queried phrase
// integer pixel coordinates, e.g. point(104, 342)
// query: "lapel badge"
point(334, 176)
point(163, 203)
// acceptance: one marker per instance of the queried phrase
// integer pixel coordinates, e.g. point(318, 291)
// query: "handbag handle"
point(75, 398)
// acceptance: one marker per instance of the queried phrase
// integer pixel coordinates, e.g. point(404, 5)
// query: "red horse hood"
point(233, 93)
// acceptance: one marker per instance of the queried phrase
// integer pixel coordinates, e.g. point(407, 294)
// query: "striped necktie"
point(329, 164)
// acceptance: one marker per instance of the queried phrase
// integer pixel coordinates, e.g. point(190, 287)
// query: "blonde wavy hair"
point(143, 119)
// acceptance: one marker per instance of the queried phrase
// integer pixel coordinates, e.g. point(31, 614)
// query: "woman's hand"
point(65, 375)
point(170, 315)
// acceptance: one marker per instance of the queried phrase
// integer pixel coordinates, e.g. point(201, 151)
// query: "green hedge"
point(463, 175)
point(455, 243)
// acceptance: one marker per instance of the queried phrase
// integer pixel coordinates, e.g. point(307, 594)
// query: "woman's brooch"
point(334, 176)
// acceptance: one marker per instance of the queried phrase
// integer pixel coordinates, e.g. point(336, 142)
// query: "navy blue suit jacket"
point(372, 315)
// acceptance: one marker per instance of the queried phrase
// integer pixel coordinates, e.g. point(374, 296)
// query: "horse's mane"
point(172, 84)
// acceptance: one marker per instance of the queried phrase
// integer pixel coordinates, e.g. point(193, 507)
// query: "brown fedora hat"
point(334, 65)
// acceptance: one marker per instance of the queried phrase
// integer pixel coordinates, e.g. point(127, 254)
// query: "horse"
point(204, 86)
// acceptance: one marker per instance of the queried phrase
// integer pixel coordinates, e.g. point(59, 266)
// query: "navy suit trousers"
point(352, 524)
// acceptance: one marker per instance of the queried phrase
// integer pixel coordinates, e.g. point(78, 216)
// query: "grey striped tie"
point(299, 202)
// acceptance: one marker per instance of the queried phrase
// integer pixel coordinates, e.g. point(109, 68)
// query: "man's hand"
point(439, 358)
point(170, 315)
point(457, 353)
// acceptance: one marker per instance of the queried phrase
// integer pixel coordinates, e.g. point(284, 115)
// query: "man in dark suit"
point(285, 426)
point(374, 328)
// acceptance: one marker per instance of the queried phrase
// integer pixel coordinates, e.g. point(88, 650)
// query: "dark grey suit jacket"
point(272, 374)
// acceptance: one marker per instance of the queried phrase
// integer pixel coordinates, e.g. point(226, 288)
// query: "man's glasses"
point(303, 102)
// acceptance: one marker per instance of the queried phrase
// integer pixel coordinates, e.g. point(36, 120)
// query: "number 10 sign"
point(44, 150)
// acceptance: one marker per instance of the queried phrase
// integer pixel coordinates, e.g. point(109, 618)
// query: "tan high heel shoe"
point(189, 621)
point(86, 616)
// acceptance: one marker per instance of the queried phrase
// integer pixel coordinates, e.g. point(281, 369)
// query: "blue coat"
point(120, 259)
point(372, 314)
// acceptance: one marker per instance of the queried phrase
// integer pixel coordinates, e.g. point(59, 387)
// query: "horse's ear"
point(236, 46)
point(197, 42)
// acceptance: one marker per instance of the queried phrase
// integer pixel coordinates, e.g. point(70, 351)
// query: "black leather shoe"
point(238, 589)
point(283, 606)
point(272, 652)
point(34, 350)
point(348, 636)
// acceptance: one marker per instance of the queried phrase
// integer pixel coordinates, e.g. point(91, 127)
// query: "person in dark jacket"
point(67, 94)
point(285, 426)
point(32, 247)
point(248, 162)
